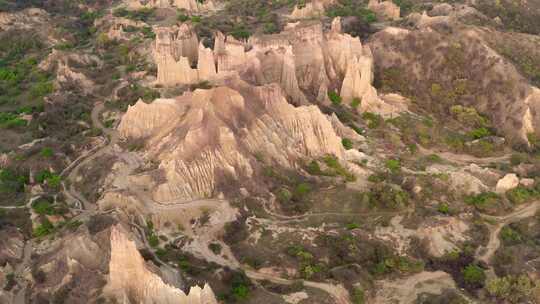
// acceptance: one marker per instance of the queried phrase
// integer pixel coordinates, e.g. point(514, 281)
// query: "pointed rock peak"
point(336, 25)
point(130, 276)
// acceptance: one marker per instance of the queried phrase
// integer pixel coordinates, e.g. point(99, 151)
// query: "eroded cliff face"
point(130, 281)
point(206, 135)
point(304, 60)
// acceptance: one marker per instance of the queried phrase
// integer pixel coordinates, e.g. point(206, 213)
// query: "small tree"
point(473, 275)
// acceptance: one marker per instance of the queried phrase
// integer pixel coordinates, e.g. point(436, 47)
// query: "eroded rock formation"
point(131, 281)
point(206, 134)
point(304, 60)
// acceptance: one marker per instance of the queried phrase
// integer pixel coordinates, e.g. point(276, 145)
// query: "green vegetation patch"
point(520, 195)
point(484, 201)
point(143, 14)
point(345, 8)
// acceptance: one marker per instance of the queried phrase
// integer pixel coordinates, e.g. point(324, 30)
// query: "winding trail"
point(464, 159)
point(485, 254)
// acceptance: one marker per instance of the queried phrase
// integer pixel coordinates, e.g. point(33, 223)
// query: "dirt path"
point(464, 159)
point(486, 253)
point(338, 292)
point(406, 290)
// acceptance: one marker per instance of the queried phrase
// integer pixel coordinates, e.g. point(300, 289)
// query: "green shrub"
point(394, 165)
point(347, 143)
point(352, 226)
point(335, 168)
point(46, 152)
point(182, 17)
point(240, 32)
point(142, 14)
point(443, 208)
point(482, 200)
point(468, 116)
point(520, 195)
point(313, 168)
point(11, 181)
point(43, 207)
point(518, 158)
point(474, 275)
point(514, 289)
point(479, 133)
point(358, 296)
point(41, 89)
point(153, 240)
point(510, 236)
point(334, 98)
point(10, 120)
point(356, 102)
point(373, 120)
point(45, 228)
point(215, 247)
point(301, 190)
point(351, 8)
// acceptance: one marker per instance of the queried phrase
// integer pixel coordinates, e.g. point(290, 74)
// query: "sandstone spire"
point(129, 277)
point(206, 65)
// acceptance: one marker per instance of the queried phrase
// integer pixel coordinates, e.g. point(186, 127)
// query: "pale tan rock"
point(206, 65)
point(129, 277)
point(175, 50)
point(508, 182)
point(195, 151)
point(313, 9)
point(303, 60)
point(142, 120)
point(384, 9)
point(526, 182)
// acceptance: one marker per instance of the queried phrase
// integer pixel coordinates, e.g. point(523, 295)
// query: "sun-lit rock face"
point(130, 281)
point(143, 120)
point(313, 9)
point(205, 136)
point(304, 60)
point(175, 50)
point(188, 5)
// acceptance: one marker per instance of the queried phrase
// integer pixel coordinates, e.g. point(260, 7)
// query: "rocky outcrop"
point(313, 9)
point(130, 280)
point(303, 60)
point(384, 9)
point(220, 131)
point(143, 120)
point(508, 182)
